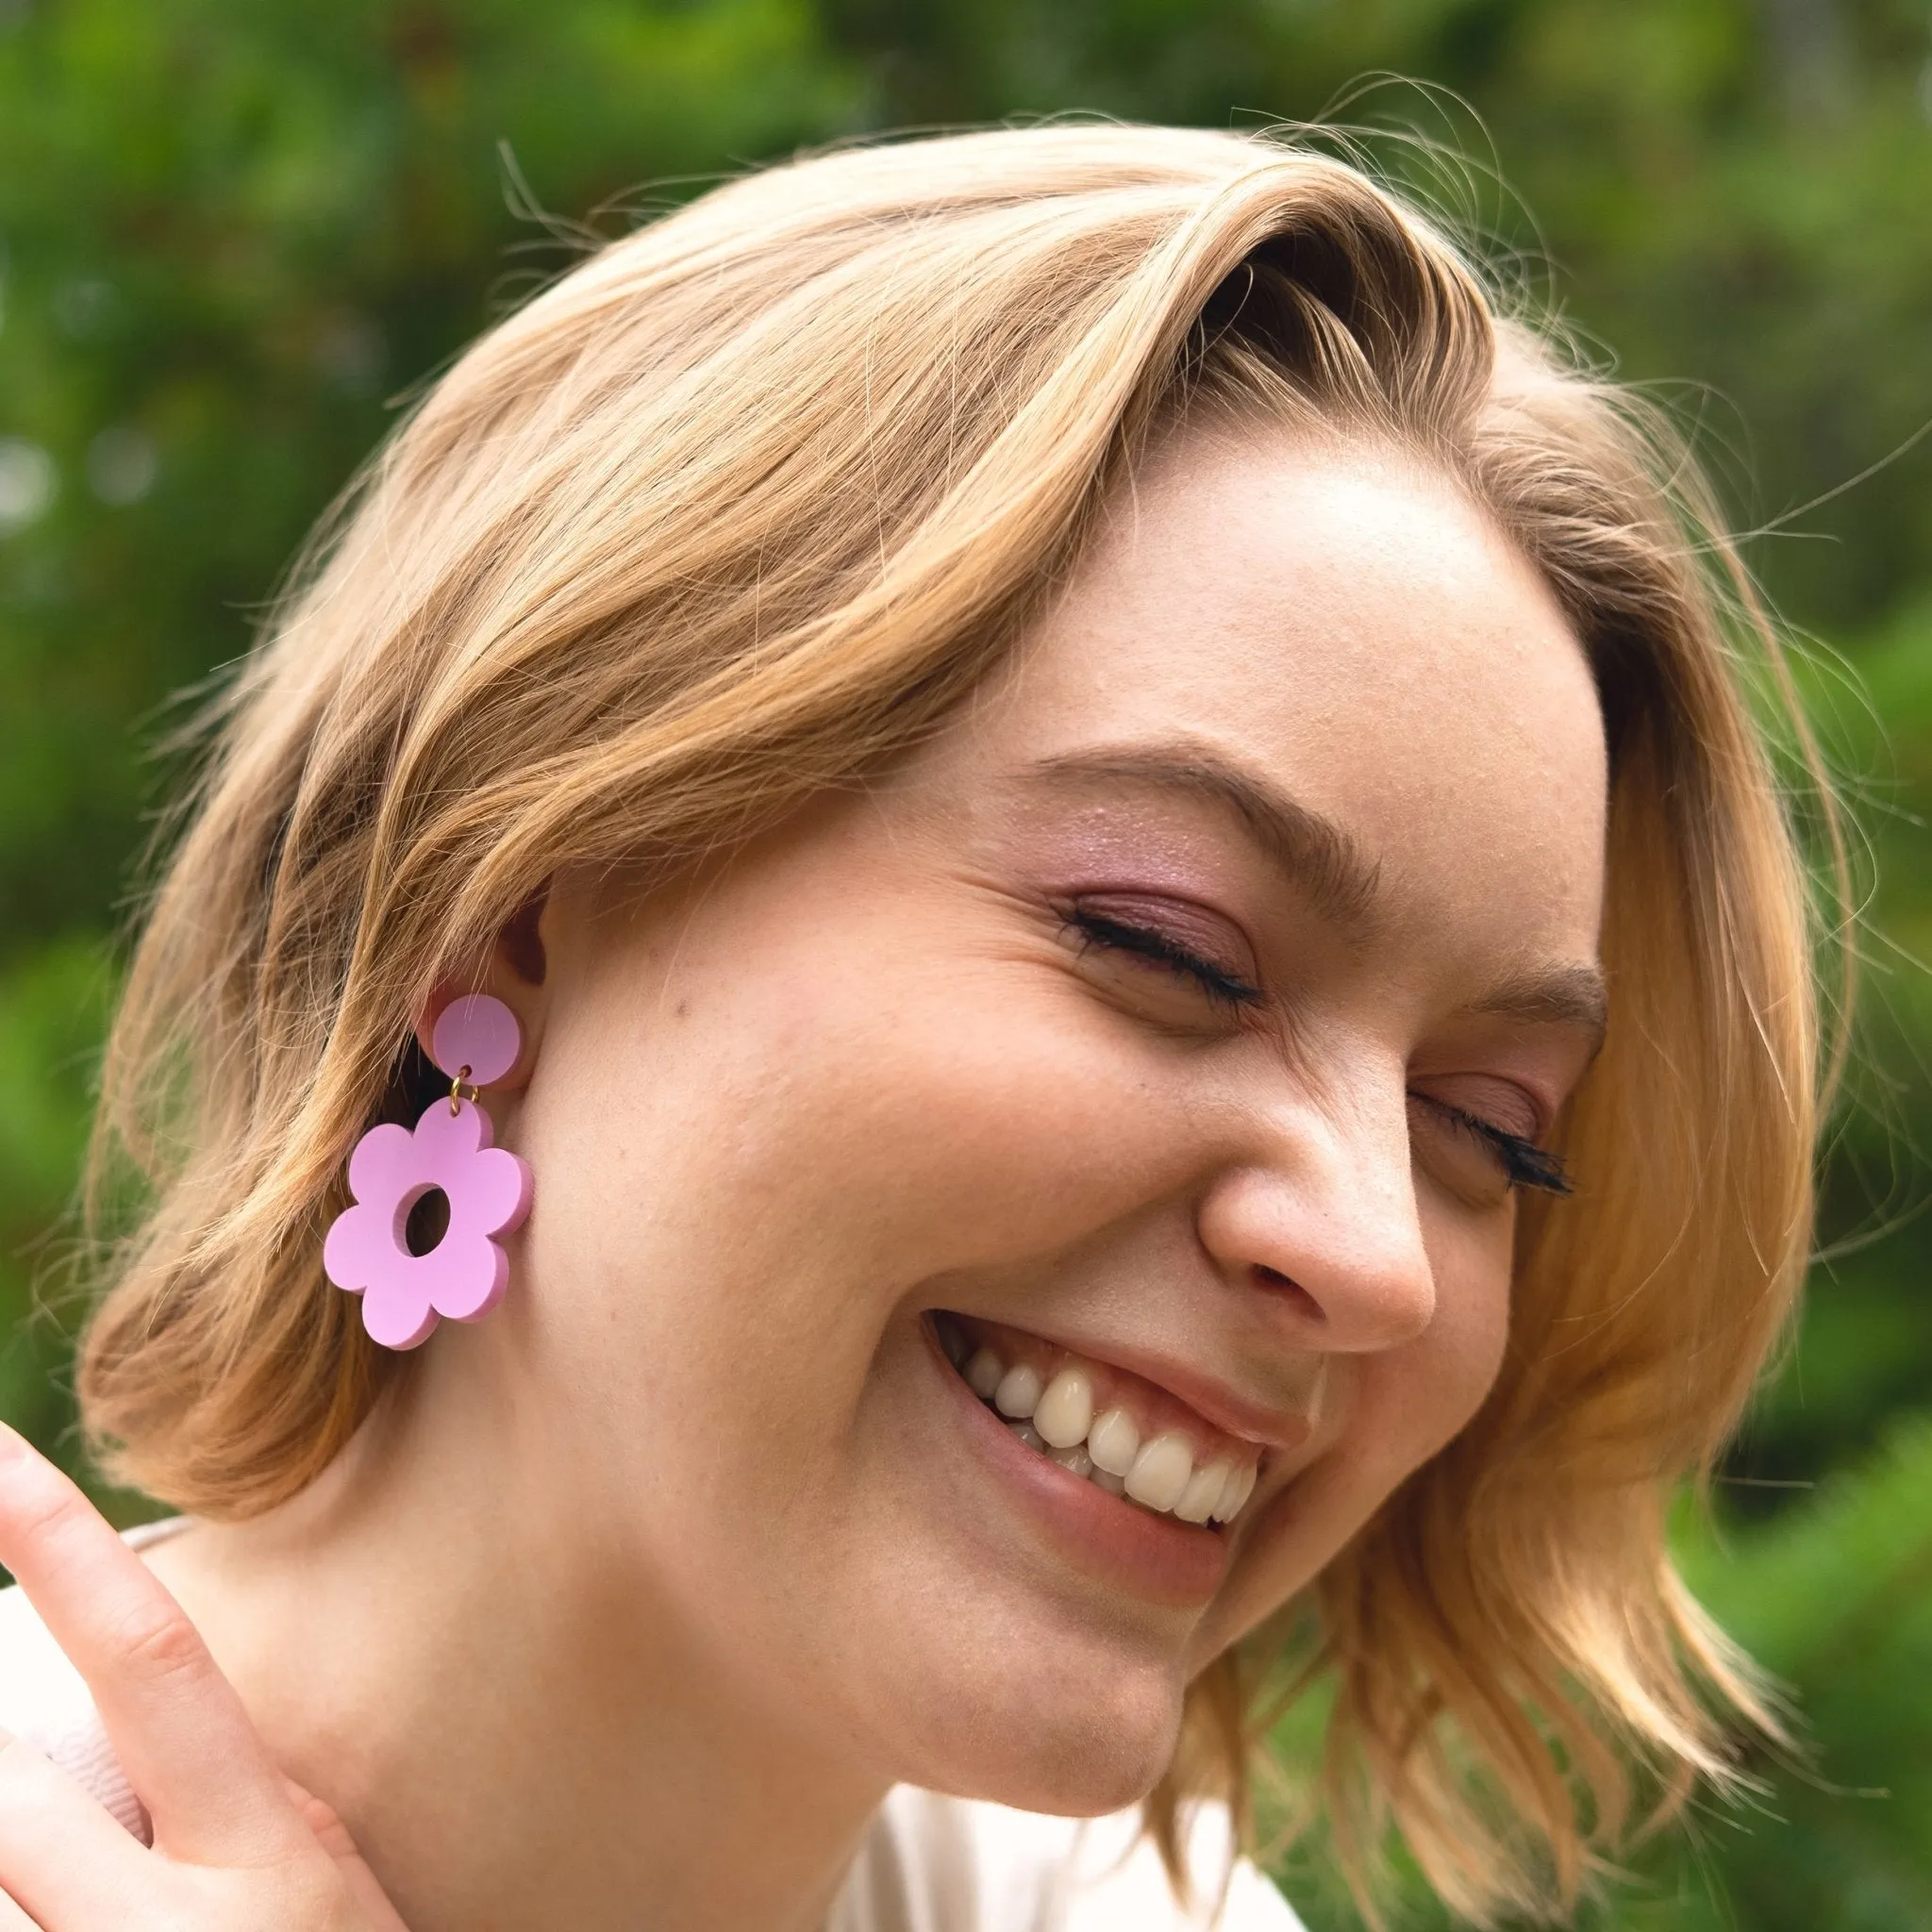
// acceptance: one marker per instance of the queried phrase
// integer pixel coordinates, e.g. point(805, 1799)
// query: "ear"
point(516, 971)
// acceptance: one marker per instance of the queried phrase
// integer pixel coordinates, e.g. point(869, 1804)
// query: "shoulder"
point(940, 1864)
point(45, 1703)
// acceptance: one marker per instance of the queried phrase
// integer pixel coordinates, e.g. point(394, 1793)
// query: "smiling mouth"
point(1121, 1434)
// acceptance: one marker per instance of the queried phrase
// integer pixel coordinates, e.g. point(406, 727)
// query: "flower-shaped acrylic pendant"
point(389, 1247)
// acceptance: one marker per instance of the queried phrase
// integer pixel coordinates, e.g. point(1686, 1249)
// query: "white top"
point(929, 1863)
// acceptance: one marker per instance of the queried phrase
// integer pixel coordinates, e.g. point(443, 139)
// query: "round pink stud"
point(476, 1032)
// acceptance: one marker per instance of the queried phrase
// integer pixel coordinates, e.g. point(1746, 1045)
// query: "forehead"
point(1345, 621)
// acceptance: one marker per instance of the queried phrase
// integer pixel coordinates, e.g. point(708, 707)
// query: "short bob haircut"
point(741, 510)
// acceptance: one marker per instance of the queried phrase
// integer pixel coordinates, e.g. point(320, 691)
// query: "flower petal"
point(383, 1165)
point(494, 1192)
point(396, 1311)
point(469, 1277)
point(444, 1138)
point(357, 1247)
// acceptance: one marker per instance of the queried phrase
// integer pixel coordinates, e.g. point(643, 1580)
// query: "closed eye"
point(1096, 929)
point(1524, 1164)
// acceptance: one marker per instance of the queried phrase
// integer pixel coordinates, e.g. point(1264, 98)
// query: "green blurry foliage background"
point(233, 235)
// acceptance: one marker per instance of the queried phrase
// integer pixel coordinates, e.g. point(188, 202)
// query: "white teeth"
point(1234, 1492)
point(1018, 1394)
point(1161, 1471)
point(1065, 1413)
point(984, 1374)
point(1202, 1493)
point(1113, 1441)
point(1057, 1419)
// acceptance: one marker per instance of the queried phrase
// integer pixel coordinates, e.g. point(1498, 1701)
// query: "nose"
point(1322, 1216)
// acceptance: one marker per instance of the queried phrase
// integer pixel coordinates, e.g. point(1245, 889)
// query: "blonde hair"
point(741, 510)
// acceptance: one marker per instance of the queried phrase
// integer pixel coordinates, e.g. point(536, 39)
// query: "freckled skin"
point(704, 1466)
point(897, 1085)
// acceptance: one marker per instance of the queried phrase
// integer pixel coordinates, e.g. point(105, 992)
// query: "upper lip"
point(1213, 1401)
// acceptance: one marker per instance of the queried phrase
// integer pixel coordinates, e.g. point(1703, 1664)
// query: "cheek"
point(744, 1176)
point(1409, 1401)
point(958, 1120)
point(1400, 1407)
point(1415, 1399)
point(740, 1206)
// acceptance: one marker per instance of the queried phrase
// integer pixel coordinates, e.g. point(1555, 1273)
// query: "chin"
point(1080, 1742)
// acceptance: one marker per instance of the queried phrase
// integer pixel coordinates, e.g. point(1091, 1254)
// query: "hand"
point(237, 1847)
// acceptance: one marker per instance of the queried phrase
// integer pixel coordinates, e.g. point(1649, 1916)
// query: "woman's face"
point(1159, 1042)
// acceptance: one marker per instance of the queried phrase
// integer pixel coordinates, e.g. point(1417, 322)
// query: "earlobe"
point(521, 1007)
point(514, 973)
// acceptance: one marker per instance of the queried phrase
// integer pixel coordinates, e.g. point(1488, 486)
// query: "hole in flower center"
point(428, 1222)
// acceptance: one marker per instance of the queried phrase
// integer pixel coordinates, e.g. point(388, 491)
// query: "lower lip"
point(1157, 1557)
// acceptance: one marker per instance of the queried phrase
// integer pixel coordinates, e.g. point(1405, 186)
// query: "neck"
point(451, 1647)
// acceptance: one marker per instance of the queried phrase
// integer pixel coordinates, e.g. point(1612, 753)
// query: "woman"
point(1099, 847)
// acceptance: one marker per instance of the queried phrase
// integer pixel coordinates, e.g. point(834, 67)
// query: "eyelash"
point(1145, 943)
point(1524, 1163)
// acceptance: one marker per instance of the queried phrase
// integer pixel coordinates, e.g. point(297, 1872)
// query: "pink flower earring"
point(395, 1172)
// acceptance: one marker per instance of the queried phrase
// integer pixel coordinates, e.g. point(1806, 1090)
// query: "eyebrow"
point(1554, 996)
point(1327, 862)
point(1315, 851)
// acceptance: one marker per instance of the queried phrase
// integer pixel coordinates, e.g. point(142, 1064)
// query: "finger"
point(62, 1859)
point(12, 1918)
point(174, 1722)
point(332, 1835)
